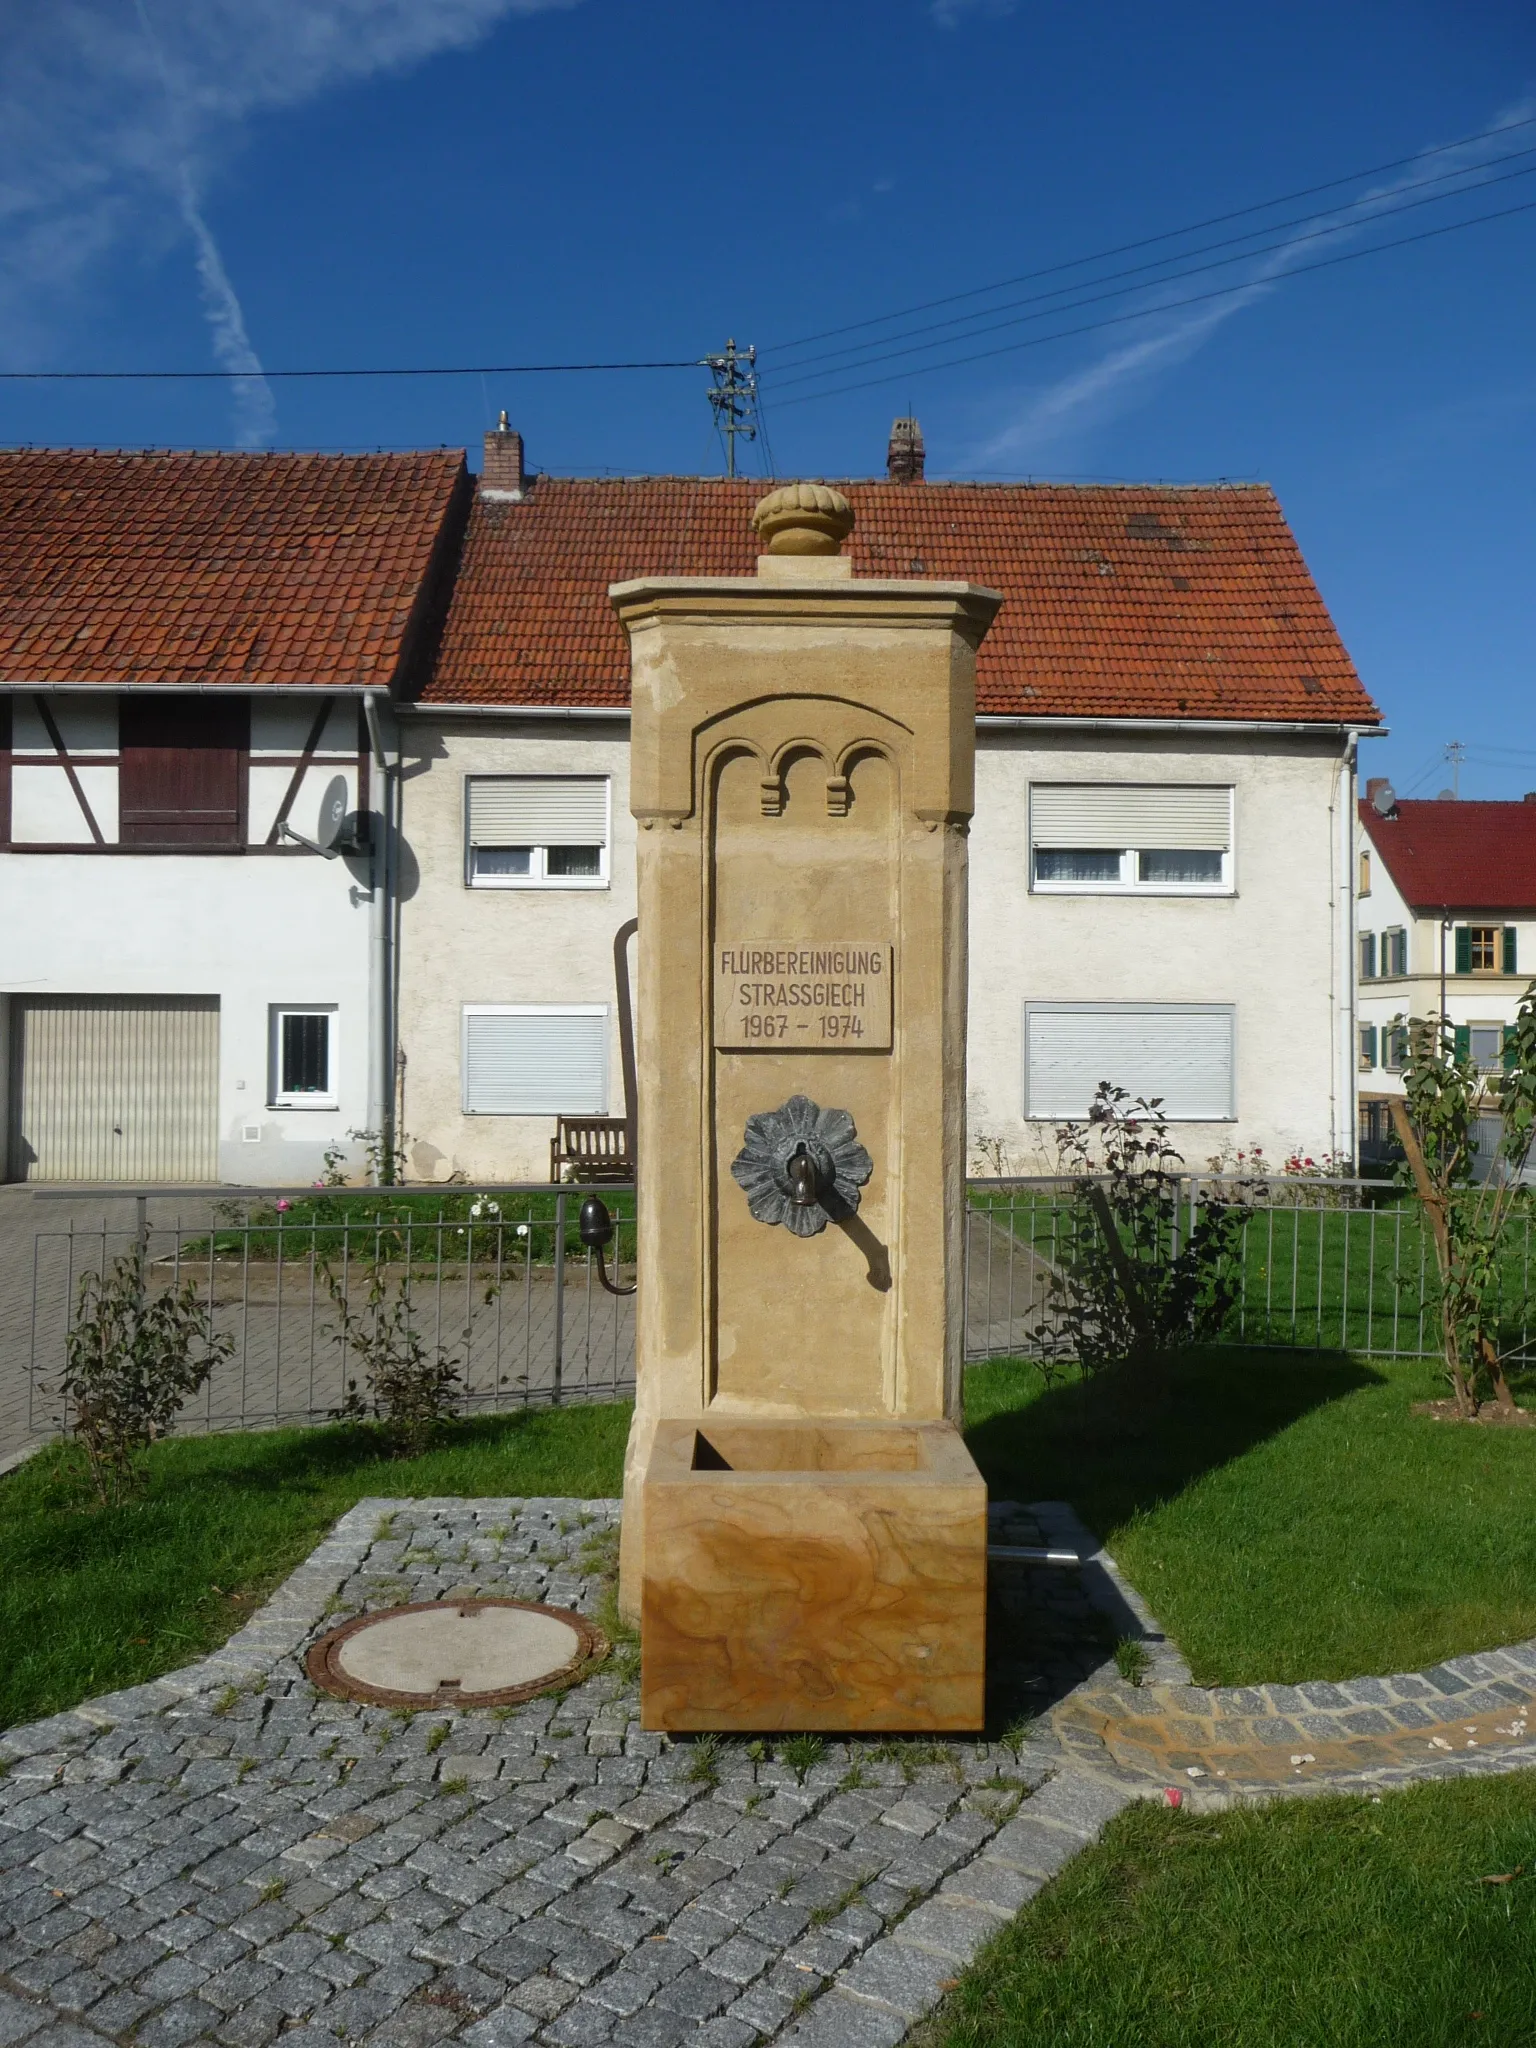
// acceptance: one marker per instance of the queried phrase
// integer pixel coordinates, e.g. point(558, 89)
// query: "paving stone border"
point(227, 1856)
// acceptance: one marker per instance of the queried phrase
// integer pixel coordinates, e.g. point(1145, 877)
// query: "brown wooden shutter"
point(182, 776)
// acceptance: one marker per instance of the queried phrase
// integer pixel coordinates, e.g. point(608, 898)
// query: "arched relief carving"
point(776, 781)
point(775, 731)
point(840, 783)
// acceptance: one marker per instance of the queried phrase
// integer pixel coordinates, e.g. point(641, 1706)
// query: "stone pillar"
point(803, 748)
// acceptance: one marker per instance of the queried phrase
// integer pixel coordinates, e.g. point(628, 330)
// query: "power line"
point(1151, 312)
point(1168, 235)
point(880, 350)
point(223, 376)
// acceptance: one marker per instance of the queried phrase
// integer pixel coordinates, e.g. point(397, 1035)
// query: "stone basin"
point(813, 1574)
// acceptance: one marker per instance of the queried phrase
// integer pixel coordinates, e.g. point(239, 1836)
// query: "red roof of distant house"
point(1455, 856)
point(219, 569)
point(1121, 602)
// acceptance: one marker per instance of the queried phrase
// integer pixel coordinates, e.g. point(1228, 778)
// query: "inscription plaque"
point(803, 995)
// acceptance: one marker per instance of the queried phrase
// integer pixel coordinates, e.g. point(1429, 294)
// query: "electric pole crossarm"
point(733, 396)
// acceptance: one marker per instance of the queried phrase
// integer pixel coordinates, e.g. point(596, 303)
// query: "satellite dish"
point(333, 813)
point(1384, 800)
point(330, 827)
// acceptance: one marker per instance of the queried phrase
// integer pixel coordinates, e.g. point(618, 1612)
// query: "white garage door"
point(114, 1088)
point(1182, 1052)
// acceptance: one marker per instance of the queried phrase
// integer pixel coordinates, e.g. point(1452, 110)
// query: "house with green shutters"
point(1446, 926)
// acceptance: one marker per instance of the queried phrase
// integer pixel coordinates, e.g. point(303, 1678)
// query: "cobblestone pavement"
point(1264, 1737)
point(227, 1856)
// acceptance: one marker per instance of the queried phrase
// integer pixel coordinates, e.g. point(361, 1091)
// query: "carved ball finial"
point(803, 519)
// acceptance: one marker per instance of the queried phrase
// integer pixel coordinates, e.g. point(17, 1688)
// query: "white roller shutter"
point(1183, 1052)
point(1148, 816)
point(525, 1061)
point(115, 1088)
point(538, 810)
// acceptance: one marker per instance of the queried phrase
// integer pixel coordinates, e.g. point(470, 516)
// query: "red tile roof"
point(220, 568)
point(1121, 602)
point(1456, 856)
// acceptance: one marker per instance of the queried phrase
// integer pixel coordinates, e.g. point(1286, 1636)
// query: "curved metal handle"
point(594, 1224)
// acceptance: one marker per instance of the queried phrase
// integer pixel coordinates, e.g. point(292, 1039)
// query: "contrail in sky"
point(1089, 394)
point(91, 167)
point(255, 408)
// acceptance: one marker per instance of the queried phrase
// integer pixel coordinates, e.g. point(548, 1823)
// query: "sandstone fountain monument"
point(804, 1535)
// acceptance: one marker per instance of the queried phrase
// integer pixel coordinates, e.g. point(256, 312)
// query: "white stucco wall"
point(253, 931)
point(460, 945)
point(1278, 948)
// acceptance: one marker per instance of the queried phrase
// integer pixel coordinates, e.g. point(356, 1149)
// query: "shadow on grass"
point(1115, 1448)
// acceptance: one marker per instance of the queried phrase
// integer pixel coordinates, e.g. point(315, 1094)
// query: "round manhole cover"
point(444, 1653)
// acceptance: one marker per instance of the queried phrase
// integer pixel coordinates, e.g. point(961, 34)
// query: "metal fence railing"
point(1325, 1264)
point(497, 1276)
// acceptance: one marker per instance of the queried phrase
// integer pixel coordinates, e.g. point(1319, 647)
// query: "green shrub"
point(132, 1359)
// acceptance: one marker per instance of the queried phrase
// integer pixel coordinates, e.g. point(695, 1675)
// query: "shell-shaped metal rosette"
point(828, 1139)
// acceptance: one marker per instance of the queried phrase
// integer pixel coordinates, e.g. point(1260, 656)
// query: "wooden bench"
point(588, 1148)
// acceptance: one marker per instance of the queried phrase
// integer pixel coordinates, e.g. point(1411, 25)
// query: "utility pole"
point(734, 397)
point(1455, 753)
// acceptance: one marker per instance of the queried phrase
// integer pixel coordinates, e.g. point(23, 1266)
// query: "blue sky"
point(281, 183)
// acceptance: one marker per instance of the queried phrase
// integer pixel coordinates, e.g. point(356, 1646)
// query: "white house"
point(196, 657)
point(1447, 928)
point(1161, 857)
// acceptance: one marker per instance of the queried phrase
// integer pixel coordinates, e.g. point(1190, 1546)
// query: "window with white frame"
point(1164, 838)
point(535, 1059)
point(1183, 1053)
point(1367, 1048)
point(1367, 956)
point(302, 1056)
point(1394, 950)
point(536, 831)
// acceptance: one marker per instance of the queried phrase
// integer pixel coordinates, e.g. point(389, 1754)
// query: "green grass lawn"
point(1319, 1923)
point(441, 1226)
point(1285, 1514)
point(1351, 1279)
point(96, 1598)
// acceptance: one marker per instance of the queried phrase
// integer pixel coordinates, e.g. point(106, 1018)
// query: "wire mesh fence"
point(495, 1277)
point(1330, 1264)
point(498, 1278)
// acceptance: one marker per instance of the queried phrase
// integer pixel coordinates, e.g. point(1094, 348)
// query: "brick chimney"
point(1375, 783)
point(501, 474)
point(904, 456)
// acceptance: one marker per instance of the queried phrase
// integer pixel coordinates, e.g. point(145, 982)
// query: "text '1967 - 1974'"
point(803, 995)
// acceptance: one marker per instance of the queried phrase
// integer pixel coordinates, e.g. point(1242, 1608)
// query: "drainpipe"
point(1348, 1140)
point(383, 739)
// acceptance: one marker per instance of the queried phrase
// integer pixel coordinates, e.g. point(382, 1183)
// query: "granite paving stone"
point(319, 1870)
